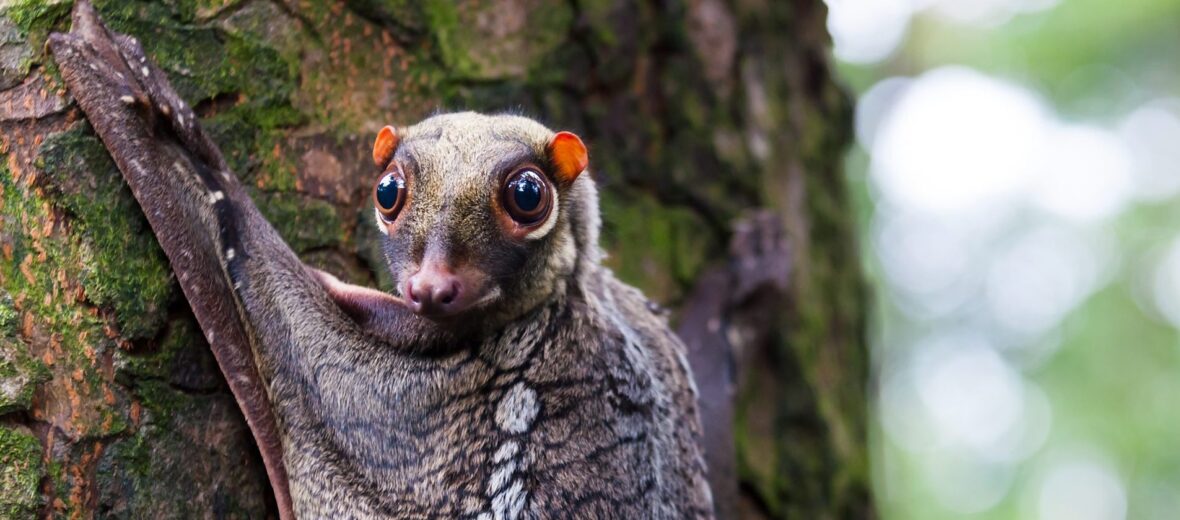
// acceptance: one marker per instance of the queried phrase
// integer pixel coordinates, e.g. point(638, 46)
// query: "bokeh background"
point(1018, 169)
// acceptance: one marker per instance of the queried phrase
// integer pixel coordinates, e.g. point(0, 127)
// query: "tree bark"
point(716, 132)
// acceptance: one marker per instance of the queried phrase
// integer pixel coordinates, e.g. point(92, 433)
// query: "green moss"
point(762, 477)
point(200, 62)
point(304, 223)
point(249, 82)
point(152, 473)
point(239, 143)
point(251, 150)
point(834, 299)
point(658, 248)
point(160, 362)
point(469, 50)
point(597, 16)
point(405, 18)
point(126, 465)
point(160, 400)
point(42, 265)
point(442, 18)
point(124, 268)
point(21, 471)
point(16, 57)
point(355, 72)
point(182, 359)
point(56, 473)
point(7, 315)
point(36, 18)
point(277, 171)
point(207, 63)
point(20, 374)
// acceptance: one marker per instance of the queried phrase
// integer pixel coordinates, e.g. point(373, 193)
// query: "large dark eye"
point(526, 196)
point(390, 194)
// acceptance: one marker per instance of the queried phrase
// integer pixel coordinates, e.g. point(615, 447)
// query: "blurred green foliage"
point(1113, 378)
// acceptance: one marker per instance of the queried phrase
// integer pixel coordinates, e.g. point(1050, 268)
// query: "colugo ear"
point(568, 155)
point(384, 146)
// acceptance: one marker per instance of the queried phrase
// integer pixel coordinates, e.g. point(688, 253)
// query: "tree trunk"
point(696, 112)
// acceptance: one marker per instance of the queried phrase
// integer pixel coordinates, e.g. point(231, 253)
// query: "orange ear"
point(384, 146)
point(568, 155)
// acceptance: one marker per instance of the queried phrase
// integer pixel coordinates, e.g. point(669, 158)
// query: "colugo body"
point(508, 375)
point(549, 389)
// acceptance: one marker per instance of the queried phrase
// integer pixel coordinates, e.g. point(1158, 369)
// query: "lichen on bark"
point(20, 372)
point(21, 471)
point(123, 269)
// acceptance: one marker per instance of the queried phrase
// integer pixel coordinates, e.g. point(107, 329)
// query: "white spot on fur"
point(509, 504)
point(500, 478)
point(507, 451)
point(517, 409)
point(180, 118)
point(508, 495)
point(216, 196)
point(92, 66)
point(229, 254)
point(550, 221)
point(136, 168)
point(684, 368)
point(127, 100)
point(121, 76)
point(144, 71)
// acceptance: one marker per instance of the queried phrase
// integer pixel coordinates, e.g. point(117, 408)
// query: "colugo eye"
point(389, 194)
point(526, 197)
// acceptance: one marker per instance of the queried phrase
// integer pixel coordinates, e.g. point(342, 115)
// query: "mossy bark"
point(695, 112)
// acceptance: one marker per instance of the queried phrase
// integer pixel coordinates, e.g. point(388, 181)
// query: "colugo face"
point(475, 210)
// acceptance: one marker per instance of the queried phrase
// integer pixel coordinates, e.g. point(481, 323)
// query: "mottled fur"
point(563, 397)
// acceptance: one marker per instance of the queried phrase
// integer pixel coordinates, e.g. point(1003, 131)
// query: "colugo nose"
point(434, 291)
